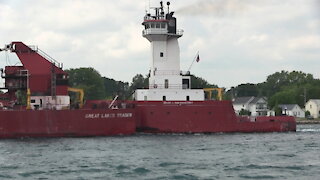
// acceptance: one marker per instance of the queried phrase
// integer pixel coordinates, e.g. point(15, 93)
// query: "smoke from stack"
point(214, 7)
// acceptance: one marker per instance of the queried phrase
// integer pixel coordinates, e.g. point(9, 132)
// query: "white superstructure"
point(49, 102)
point(166, 81)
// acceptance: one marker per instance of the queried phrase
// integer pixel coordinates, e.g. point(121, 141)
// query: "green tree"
point(312, 91)
point(138, 82)
point(283, 97)
point(281, 87)
point(114, 88)
point(247, 90)
point(200, 83)
point(307, 113)
point(279, 80)
point(244, 112)
point(277, 110)
point(89, 80)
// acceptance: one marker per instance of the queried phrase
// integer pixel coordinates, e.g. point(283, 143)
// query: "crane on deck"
point(80, 95)
point(209, 92)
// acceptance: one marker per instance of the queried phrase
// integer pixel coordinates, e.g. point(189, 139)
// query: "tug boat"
point(169, 105)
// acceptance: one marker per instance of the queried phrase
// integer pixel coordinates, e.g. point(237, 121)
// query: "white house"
point(313, 106)
point(292, 110)
point(256, 105)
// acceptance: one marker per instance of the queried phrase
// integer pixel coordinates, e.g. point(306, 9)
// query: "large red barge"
point(169, 105)
point(204, 117)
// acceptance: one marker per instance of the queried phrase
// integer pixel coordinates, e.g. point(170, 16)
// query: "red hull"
point(64, 123)
point(203, 117)
point(151, 117)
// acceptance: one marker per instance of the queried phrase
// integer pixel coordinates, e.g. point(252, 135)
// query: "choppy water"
point(198, 156)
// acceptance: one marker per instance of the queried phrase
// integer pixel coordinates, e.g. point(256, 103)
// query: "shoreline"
point(306, 121)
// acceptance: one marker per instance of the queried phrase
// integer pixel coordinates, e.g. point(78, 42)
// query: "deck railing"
point(169, 86)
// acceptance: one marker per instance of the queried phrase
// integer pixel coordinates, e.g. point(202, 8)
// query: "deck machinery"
point(40, 78)
point(37, 103)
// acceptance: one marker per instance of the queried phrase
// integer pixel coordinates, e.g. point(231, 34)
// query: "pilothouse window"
point(166, 83)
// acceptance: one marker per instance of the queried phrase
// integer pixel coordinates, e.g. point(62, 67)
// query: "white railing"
point(261, 109)
point(166, 72)
point(154, 31)
point(169, 86)
point(151, 18)
point(179, 32)
point(185, 73)
point(45, 55)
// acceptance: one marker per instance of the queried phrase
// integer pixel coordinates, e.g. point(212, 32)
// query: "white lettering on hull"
point(107, 115)
point(124, 115)
point(92, 116)
point(177, 103)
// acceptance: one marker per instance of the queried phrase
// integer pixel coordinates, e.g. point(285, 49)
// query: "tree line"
point(283, 87)
point(97, 87)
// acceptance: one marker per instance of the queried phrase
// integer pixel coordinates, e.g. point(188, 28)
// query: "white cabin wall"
point(173, 51)
point(171, 94)
point(48, 102)
point(171, 56)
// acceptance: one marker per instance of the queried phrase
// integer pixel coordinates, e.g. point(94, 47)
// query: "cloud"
point(305, 42)
point(216, 7)
point(239, 40)
point(253, 39)
point(90, 33)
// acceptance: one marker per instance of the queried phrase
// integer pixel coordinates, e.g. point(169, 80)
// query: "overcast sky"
point(240, 41)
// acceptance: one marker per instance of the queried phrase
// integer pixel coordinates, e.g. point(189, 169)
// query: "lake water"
point(293, 155)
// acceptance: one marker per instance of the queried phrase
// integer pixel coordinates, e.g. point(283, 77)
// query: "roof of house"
point(288, 107)
point(244, 100)
point(317, 101)
point(256, 99)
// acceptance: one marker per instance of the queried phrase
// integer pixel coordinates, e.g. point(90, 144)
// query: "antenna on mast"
point(196, 58)
point(145, 6)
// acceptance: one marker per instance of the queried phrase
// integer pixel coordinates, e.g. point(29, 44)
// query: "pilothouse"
point(166, 82)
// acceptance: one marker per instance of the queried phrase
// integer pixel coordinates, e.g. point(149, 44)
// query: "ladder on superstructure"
point(53, 82)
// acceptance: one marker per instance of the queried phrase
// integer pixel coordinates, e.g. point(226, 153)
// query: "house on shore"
point(313, 106)
point(257, 106)
point(292, 110)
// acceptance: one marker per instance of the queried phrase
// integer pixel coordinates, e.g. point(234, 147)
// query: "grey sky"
point(239, 41)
